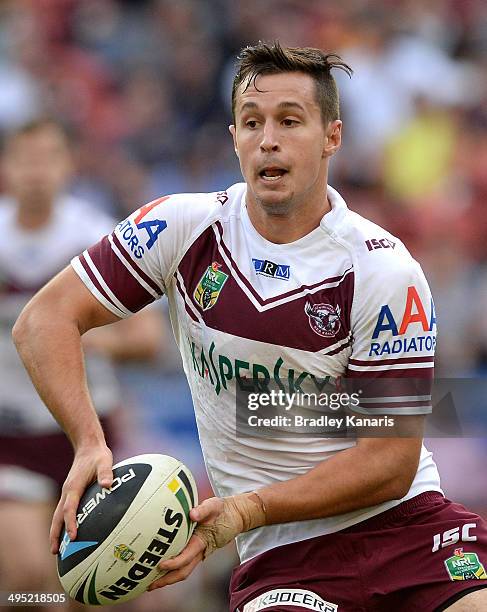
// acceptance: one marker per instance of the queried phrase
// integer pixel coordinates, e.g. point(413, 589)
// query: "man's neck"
point(288, 227)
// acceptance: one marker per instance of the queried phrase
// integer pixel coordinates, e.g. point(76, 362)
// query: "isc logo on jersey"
point(153, 227)
point(414, 314)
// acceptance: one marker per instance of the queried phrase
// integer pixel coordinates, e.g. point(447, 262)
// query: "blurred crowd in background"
point(143, 87)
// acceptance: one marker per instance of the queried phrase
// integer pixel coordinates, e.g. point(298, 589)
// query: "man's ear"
point(333, 138)
point(233, 132)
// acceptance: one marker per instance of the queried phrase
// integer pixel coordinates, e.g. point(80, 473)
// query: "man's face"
point(281, 141)
point(36, 166)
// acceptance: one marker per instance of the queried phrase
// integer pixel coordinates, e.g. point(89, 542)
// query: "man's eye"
point(251, 124)
point(289, 122)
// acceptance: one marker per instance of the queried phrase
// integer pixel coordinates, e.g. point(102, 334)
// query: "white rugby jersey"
point(345, 300)
point(28, 259)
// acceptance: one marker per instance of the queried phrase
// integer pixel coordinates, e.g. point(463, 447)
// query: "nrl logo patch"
point(209, 287)
point(324, 319)
point(124, 553)
point(465, 566)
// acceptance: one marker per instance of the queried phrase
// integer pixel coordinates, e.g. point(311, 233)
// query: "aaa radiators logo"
point(210, 285)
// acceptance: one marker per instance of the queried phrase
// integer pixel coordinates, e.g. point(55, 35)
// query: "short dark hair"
point(266, 58)
point(32, 127)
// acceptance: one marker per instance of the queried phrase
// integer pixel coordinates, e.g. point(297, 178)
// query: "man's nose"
point(269, 140)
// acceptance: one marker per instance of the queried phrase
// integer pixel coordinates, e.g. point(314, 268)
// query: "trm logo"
point(271, 269)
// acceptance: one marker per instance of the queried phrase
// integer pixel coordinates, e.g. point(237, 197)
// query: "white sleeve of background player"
point(131, 267)
point(394, 338)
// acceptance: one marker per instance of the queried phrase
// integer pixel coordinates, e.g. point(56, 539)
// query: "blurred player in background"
point(276, 277)
point(42, 227)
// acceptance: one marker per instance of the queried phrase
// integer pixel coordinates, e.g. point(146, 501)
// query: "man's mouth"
point(272, 173)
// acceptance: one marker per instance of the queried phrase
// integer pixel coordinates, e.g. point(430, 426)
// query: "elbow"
point(391, 489)
point(29, 323)
point(398, 486)
point(21, 329)
point(393, 464)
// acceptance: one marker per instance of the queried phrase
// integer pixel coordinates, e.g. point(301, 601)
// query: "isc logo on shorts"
point(290, 597)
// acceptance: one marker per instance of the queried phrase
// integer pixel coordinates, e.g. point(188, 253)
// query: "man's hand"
point(90, 463)
point(219, 520)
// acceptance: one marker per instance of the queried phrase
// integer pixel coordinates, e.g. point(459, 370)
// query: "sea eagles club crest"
point(323, 319)
point(209, 287)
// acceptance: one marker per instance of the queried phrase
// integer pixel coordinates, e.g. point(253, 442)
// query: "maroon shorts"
point(34, 467)
point(416, 557)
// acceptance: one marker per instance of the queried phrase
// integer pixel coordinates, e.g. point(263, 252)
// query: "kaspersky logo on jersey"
point(414, 315)
point(210, 285)
point(219, 370)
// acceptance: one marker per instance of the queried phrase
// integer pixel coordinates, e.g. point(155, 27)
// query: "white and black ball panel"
point(126, 530)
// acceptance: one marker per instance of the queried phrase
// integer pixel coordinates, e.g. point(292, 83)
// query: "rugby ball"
point(124, 531)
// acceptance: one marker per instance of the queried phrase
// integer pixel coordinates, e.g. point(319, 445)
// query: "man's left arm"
point(374, 471)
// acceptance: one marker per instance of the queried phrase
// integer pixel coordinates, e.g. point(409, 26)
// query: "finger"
point(56, 526)
point(207, 510)
point(105, 474)
point(176, 575)
point(194, 548)
point(69, 511)
point(200, 513)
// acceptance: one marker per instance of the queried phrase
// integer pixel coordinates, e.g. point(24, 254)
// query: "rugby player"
point(276, 278)
point(42, 228)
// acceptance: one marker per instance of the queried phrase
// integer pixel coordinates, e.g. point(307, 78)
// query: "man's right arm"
point(48, 338)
